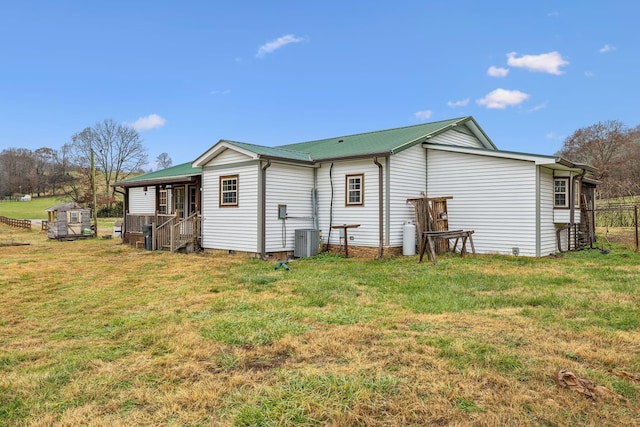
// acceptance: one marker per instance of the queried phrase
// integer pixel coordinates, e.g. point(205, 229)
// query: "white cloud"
point(589, 74)
point(424, 115)
point(607, 48)
point(502, 98)
point(537, 107)
point(553, 135)
point(494, 71)
point(220, 92)
point(276, 44)
point(544, 63)
point(553, 14)
point(152, 121)
point(461, 103)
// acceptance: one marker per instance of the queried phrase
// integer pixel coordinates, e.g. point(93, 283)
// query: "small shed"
point(69, 221)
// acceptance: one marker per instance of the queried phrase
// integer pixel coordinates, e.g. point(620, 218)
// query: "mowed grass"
point(34, 209)
point(93, 332)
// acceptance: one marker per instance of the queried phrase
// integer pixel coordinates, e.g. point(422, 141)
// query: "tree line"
point(117, 150)
point(614, 149)
point(610, 146)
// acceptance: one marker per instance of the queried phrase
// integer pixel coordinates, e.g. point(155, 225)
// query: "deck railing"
point(134, 222)
point(163, 233)
point(185, 232)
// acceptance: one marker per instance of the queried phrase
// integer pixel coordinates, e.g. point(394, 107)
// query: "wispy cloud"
point(423, 115)
point(553, 14)
point(589, 74)
point(537, 107)
point(544, 63)
point(502, 98)
point(607, 48)
point(494, 71)
point(456, 104)
point(220, 92)
point(152, 121)
point(553, 135)
point(276, 44)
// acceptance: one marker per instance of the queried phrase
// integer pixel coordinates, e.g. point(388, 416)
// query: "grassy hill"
point(35, 209)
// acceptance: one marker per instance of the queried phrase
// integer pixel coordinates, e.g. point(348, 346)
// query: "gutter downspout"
point(263, 208)
point(380, 209)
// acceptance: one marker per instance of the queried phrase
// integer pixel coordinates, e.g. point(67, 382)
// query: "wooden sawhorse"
point(430, 237)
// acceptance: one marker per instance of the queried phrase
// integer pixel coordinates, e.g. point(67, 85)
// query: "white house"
point(255, 197)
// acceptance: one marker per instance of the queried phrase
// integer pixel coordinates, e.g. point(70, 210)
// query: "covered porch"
point(162, 209)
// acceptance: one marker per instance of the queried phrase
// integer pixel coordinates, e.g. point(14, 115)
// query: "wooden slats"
point(18, 223)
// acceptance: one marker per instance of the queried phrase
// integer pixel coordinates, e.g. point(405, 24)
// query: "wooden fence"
point(18, 223)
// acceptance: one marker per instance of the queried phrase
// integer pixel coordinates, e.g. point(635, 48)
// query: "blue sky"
point(187, 74)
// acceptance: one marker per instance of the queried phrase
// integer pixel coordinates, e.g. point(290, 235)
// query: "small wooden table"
point(345, 227)
point(430, 237)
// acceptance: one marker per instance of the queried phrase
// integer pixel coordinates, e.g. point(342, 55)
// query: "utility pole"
point(93, 191)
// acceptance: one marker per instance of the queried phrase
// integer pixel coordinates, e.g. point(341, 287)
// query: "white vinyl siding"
point(230, 228)
point(454, 137)
point(287, 185)
point(366, 215)
point(142, 202)
point(495, 197)
point(228, 157)
point(547, 228)
point(408, 181)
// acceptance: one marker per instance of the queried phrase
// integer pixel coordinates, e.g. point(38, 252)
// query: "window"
point(162, 202)
point(229, 190)
point(193, 206)
point(178, 201)
point(561, 192)
point(355, 190)
point(74, 217)
point(576, 193)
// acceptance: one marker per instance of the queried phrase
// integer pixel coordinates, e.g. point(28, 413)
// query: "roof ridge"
point(377, 131)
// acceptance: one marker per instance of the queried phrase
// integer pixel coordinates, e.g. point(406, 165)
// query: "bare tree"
point(43, 168)
point(609, 146)
point(118, 151)
point(17, 171)
point(164, 161)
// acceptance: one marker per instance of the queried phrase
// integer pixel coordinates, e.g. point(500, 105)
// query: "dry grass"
point(96, 333)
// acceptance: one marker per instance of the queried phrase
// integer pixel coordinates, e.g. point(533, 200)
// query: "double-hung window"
point(229, 191)
point(561, 192)
point(163, 200)
point(355, 190)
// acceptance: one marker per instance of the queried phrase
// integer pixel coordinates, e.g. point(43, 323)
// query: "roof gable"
point(382, 142)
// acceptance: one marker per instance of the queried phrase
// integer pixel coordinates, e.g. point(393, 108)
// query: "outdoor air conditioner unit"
point(307, 243)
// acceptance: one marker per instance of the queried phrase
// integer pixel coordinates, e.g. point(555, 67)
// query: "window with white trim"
point(355, 190)
point(229, 191)
point(561, 192)
point(74, 217)
point(163, 200)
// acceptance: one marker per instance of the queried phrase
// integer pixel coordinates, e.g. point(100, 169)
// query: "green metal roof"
point(370, 143)
point(274, 152)
point(182, 170)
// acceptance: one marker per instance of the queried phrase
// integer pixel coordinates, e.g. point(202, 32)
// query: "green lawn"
point(96, 332)
point(34, 209)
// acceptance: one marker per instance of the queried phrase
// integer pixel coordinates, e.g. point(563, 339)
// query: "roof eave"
point(155, 181)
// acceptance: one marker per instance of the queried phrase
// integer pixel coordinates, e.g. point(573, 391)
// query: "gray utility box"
point(307, 243)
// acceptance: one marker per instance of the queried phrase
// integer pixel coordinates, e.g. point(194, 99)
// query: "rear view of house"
point(257, 199)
